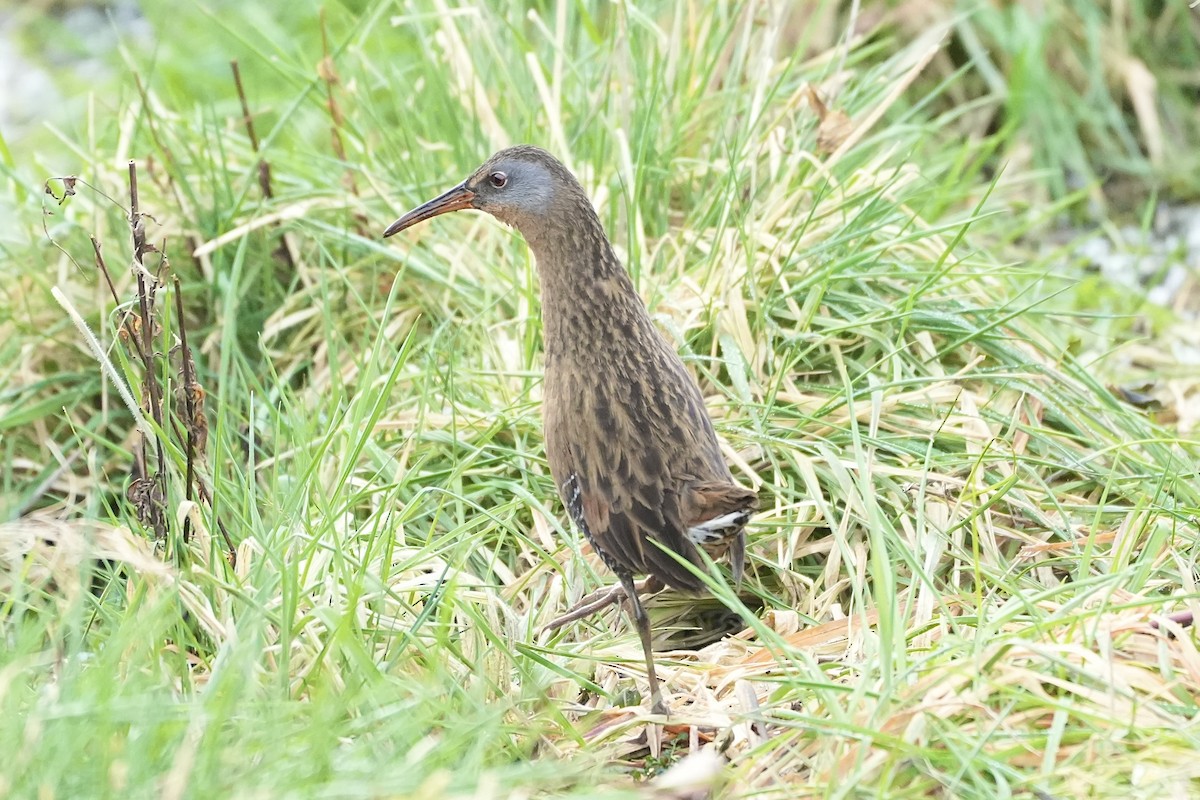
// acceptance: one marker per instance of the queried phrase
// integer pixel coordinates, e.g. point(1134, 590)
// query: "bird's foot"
point(598, 600)
point(587, 606)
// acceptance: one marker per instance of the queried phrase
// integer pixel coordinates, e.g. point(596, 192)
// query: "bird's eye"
point(498, 179)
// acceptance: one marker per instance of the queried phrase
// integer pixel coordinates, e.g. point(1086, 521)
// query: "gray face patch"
point(528, 190)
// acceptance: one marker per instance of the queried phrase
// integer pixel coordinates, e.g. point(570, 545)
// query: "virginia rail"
point(629, 441)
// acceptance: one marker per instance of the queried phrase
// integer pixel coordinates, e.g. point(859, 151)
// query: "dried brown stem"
point(328, 74)
point(100, 265)
point(130, 322)
point(207, 498)
point(195, 426)
point(284, 251)
point(189, 378)
point(148, 491)
point(264, 169)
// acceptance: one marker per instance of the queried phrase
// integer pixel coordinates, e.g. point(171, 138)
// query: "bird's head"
point(521, 186)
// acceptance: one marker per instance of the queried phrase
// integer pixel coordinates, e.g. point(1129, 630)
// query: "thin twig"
point(284, 251)
point(128, 325)
point(195, 426)
point(149, 491)
point(189, 404)
point(207, 498)
point(328, 74)
point(264, 169)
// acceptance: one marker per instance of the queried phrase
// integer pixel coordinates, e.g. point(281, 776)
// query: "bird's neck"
point(588, 299)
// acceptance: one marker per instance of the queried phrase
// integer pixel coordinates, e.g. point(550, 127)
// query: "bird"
point(628, 439)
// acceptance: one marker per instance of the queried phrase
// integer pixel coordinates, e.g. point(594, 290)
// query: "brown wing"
point(636, 463)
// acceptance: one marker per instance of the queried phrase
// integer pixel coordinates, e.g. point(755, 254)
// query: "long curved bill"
point(456, 199)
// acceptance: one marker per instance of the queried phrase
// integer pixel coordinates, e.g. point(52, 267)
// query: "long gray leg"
point(642, 621)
